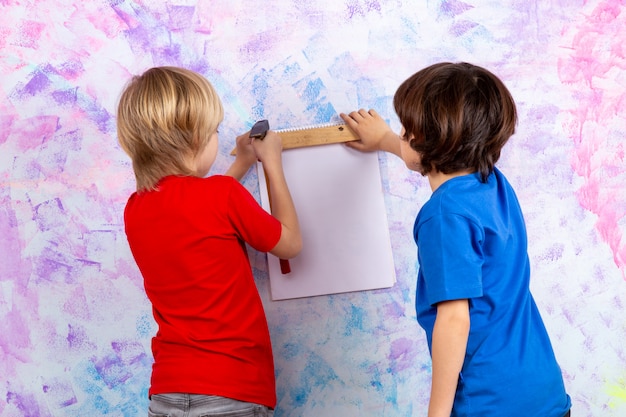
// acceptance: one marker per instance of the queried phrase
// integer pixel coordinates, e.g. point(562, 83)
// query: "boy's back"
point(187, 239)
point(188, 235)
point(490, 352)
point(508, 345)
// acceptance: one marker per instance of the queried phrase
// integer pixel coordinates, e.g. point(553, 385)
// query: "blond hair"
point(165, 118)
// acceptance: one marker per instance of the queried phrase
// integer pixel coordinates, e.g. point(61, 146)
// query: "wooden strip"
point(298, 138)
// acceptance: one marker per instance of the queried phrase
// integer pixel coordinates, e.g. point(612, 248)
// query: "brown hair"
point(165, 117)
point(456, 116)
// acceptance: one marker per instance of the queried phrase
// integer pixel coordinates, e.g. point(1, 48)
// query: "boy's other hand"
point(245, 151)
point(369, 127)
point(269, 149)
point(244, 158)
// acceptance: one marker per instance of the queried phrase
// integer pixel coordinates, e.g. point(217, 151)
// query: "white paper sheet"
point(339, 199)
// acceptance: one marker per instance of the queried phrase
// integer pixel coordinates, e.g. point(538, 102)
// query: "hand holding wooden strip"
point(313, 136)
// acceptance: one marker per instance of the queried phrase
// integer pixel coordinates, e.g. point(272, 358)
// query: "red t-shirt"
point(188, 241)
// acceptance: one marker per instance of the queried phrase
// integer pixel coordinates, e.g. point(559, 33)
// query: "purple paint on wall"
point(402, 354)
point(76, 305)
point(78, 341)
point(59, 393)
point(362, 7)
point(461, 27)
point(97, 114)
point(167, 55)
point(180, 17)
point(453, 8)
point(71, 69)
point(14, 340)
point(129, 352)
point(26, 404)
point(112, 370)
point(37, 83)
point(49, 214)
point(67, 97)
point(54, 270)
point(259, 45)
point(394, 310)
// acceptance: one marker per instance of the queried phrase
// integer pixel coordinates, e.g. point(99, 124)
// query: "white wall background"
point(75, 326)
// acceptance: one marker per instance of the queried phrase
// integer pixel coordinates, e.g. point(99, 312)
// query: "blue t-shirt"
point(471, 241)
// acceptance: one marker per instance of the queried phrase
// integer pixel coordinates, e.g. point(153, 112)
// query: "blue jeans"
point(192, 405)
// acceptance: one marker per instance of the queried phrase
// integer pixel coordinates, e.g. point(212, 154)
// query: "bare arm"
point(269, 152)
point(449, 344)
point(374, 133)
point(244, 159)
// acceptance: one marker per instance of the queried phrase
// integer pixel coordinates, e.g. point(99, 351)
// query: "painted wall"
point(75, 326)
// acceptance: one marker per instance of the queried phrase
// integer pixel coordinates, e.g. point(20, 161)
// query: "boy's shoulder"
point(203, 182)
point(215, 186)
point(218, 179)
point(193, 187)
point(466, 196)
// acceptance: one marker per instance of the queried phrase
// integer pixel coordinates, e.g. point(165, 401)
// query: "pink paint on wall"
point(34, 131)
point(597, 125)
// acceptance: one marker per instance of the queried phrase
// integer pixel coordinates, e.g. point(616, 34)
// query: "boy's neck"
point(436, 178)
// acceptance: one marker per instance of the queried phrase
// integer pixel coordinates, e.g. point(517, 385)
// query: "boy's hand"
point(244, 158)
point(371, 129)
point(269, 149)
point(245, 152)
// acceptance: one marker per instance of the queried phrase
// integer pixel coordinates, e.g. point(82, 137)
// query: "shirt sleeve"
point(450, 257)
point(255, 226)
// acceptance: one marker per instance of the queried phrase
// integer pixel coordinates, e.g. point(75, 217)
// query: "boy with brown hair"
point(491, 354)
